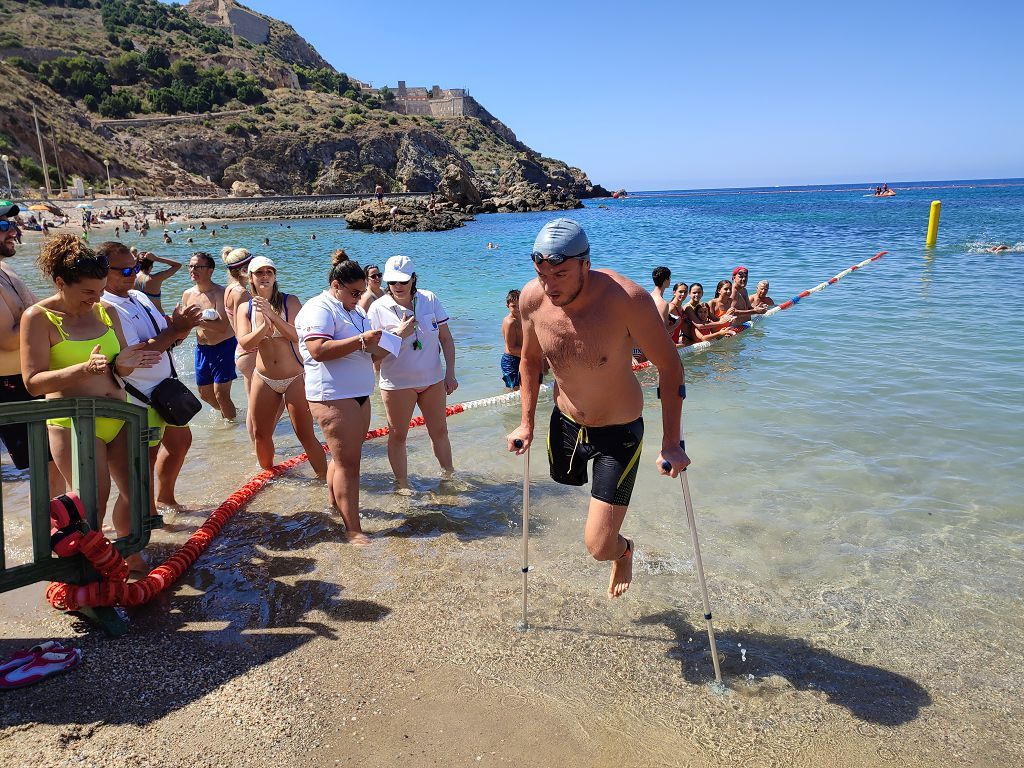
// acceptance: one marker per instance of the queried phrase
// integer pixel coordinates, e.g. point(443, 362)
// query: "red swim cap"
point(740, 268)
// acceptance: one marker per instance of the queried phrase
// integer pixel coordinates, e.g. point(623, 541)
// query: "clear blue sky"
point(646, 94)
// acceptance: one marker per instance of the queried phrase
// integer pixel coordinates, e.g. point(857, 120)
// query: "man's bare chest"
point(580, 342)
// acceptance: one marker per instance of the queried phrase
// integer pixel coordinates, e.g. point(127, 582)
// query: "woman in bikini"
point(71, 345)
point(263, 325)
point(338, 348)
point(697, 321)
point(236, 293)
point(151, 284)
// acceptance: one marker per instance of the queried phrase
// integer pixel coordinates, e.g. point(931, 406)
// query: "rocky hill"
point(212, 96)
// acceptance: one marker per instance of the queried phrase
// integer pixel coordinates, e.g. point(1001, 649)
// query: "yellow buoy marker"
point(933, 224)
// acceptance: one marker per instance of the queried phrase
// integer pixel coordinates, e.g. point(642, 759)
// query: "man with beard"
point(585, 321)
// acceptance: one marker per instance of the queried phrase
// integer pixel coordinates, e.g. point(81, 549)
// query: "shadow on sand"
point(240, 606)
point(869, 693)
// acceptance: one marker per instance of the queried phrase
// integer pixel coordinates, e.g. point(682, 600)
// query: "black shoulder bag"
point(170, 398)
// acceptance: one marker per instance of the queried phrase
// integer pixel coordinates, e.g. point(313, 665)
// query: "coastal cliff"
point(212, 99)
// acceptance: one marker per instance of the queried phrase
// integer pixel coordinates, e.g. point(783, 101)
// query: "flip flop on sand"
point(24, 656)
point(42, 665)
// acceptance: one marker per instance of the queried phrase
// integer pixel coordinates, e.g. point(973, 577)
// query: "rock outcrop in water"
point(407, 218)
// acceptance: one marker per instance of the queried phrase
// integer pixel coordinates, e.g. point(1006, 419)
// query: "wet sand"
point(286, 645)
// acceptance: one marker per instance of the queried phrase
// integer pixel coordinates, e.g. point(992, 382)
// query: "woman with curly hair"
point(71, 346)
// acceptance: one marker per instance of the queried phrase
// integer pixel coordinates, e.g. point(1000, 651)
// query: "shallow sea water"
point(856, 480)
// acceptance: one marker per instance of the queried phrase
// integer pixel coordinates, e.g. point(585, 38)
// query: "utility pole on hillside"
point(42, 153)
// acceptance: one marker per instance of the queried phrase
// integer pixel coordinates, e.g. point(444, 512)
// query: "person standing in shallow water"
point(582, 320)
point(266, 324)
point(416, 375)
point(215, 350)
point(338, 347)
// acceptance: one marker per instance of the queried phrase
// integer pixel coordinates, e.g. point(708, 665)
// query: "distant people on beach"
point(215, 339)
point(152, 284)
point(378, 191)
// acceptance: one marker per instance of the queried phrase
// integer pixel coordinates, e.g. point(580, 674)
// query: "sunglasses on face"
point(376, 276)
point(126, 271)
point(6, 225)
point(198, 266)
point(554, 259)
point(398, 282)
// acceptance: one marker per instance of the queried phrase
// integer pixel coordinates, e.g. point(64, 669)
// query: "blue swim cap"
point(562, 237)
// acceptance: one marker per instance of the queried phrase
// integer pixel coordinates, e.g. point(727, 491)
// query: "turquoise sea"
point(858, 459)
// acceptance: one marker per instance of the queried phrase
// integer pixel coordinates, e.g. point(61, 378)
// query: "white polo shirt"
point(137, 326)
point(324, 317)
point(412, 368)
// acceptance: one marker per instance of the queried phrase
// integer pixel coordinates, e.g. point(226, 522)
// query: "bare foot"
point(622, 572)
point(137, 564)
point(403, 489)
point(358, 538)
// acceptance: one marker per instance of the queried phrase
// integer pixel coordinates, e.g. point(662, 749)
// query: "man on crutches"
point(586, 322)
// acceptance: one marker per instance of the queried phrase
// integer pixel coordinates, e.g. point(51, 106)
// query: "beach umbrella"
point(38, 207)
point(84, 206)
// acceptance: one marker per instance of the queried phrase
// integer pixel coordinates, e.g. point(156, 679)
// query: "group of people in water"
point(104, 333)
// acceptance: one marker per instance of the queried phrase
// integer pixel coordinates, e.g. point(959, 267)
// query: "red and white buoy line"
point(114, 589)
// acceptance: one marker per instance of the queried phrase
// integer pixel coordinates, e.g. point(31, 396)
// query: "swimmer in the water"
point(761, 299)
point(999, 248)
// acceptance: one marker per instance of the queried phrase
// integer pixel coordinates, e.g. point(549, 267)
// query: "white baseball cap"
point(259, 262)
point(398, 269)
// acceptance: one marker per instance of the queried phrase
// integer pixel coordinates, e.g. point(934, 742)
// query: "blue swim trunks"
point(510, 370)
point(215, 363)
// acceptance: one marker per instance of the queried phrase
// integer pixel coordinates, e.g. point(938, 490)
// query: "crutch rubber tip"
point(666, 465)
point(517, 444)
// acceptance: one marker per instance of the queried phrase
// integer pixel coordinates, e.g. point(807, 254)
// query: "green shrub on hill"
point(117, 15)
point(23, 64)
point(126, 69)
point(119, 105)
point(156, 57)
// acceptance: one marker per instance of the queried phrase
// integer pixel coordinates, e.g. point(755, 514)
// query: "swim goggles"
point(554, 259)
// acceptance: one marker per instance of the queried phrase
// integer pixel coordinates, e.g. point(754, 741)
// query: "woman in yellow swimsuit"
point(70, 347)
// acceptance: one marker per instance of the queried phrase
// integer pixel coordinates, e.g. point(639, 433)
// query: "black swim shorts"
point(615, 450)
point(15, 436)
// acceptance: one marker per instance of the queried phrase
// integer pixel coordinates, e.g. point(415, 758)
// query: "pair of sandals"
point(26, 667)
